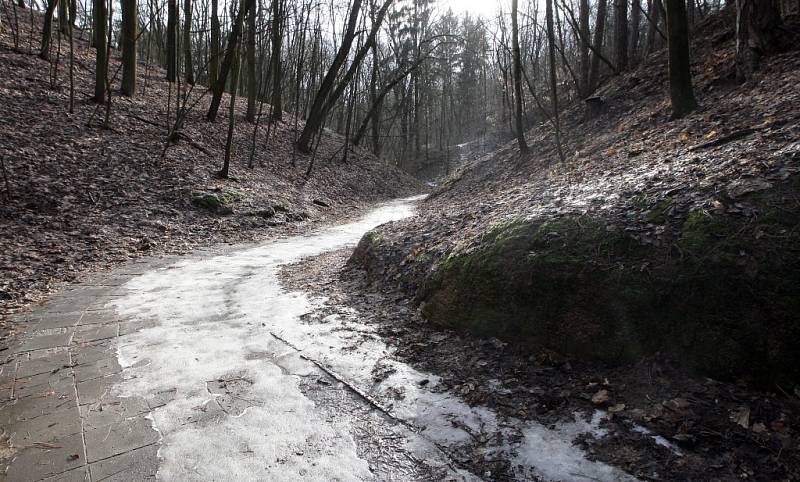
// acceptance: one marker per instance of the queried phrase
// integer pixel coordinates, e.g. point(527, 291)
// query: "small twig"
point(726, 139)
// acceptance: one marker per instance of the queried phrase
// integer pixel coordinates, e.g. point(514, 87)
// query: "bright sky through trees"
point(485, 8)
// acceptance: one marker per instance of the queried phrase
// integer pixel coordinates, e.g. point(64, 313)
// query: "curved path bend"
point(202, 368)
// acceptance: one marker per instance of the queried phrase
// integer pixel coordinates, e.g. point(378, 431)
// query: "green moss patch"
point(724, 298)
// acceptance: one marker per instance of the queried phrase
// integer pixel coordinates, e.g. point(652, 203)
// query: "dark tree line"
point(404, 78)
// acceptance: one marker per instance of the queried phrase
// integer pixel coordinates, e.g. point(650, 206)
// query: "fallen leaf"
point(616, 408)
point(741, 417)
point(600, 397)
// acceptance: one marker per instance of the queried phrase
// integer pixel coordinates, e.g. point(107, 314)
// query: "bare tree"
point(680, 76)
point(172, 40)
point(230, 52)
point(187, 42)
point(101, 57)
point(599, 35)
point(130, 21)
point(277, 93)
point(520, 129)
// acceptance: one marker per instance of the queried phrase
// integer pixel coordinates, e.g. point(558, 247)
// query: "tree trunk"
point(250, 60)
point(233, 41)
point(599, 35)
point(583, 20)
point(332, 94)
point(47, 29)
point(758, 34)
point(654, 12)
point(551, 40)
point(63, 20)
point(100, 14)
point(226, 166)
point(172, 40)
point(213, 61)
point(317, 113)
point(636, 20)
point(277, 92)
point(130, 21)
point(680, 76)
point(520, 129)
point(187, 41)
point(621, 34)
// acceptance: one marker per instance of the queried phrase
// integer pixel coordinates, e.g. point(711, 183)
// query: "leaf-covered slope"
point(657, 233)
point(82, 197)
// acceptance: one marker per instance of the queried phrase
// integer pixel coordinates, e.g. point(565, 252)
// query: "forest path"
point(205, 368)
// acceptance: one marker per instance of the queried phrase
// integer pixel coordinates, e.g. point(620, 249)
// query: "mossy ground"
point(723, 298)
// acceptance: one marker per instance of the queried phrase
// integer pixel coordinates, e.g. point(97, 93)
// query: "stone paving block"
point(103, 316)
point(58, 320)
point(48, 338)
point(85, 291)
point(97, 389)
point(65, 304)
point(89, 333)
point(30, 407)
point(42, 361)
point(46, 428)
point(118, 438)
point(101, 368)
point(80, 474)
point(113, 410)
point(139, 465)
point(43, 384)
point(129, 327)
point(91, 352)
point(36, 462)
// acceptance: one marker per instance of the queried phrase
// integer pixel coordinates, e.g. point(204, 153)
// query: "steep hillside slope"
point(677, 237)
point(83, 197)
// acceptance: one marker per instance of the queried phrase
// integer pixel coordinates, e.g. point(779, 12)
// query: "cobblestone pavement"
point(59, 418)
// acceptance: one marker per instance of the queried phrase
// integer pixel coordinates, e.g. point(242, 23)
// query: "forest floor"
point(641, 173)
point(76, 198)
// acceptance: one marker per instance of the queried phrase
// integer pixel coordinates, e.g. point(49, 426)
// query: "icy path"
point(231, 359)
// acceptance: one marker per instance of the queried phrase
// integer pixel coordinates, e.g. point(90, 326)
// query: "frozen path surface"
point(205, 368)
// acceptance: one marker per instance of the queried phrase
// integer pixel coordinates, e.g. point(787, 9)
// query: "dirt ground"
point(661, 424)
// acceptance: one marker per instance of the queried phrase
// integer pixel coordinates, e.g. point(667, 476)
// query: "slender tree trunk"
point(250, 61)
point(231, 117)
point(172, 40)
point(636, 20)
point(47, 29)
point(520, 129)
point(654, 12)
point(188, 64)
point(71, 62)
point(101, 62)
point(552, 61)
point(213, 63)
point(599, 35)
point(621, 34)
point(277, 75)
point(63, 20)
point(680, 76)
point(130, 21)
point(317, 114)
point(583, 19)
point(231, 51)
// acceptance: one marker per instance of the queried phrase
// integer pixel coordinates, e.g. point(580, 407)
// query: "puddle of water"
point(214, 314)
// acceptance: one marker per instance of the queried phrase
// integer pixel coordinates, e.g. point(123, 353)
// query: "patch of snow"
point(215, 321)
point(658, 439)
point(550, 454)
